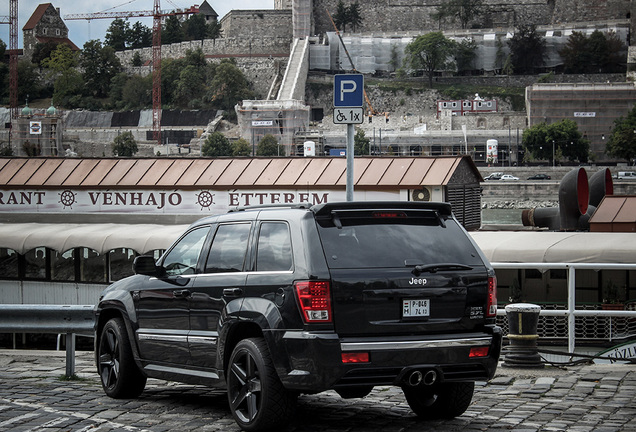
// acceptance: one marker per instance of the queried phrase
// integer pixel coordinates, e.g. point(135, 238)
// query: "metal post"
point(350, 150)
point(571, 307)
point(70, 355)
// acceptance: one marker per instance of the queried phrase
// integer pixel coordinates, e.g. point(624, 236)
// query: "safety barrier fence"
point(55, 319)
point(571, 312)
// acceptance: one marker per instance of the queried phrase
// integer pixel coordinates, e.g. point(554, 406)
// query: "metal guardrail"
point(571, 312)
point(55, 319)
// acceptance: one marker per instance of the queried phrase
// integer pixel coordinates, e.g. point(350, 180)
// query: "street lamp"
point(553, 163)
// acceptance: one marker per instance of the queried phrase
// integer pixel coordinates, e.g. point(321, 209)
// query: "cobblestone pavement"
point(33, 397)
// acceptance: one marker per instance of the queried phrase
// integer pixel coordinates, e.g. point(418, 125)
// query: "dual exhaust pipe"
point(417, 377)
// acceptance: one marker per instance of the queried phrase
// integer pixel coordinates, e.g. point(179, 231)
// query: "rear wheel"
point(440, 400)
point(258, 400)
point(120, 376)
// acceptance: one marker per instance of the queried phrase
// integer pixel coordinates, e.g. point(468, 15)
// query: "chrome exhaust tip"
point(415, 378)
point(430, 377)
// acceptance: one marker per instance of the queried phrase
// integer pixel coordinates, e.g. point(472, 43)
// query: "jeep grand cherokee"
point(270, 303)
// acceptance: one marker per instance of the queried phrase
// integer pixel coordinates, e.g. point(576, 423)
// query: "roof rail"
point(270, 206)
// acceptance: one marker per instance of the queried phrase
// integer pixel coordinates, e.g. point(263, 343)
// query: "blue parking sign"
point(348, 90)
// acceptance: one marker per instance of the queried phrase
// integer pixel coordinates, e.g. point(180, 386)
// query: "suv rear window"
point(395, 242)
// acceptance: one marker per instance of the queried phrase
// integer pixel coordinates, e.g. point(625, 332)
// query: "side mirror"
point(145, 265)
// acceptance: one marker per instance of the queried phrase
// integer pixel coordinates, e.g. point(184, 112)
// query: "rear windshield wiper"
point(433, 268)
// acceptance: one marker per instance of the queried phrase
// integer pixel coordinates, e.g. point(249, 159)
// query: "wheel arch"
point(257, 318)
point(110, 311)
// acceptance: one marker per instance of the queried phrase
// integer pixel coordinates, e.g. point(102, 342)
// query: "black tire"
point(257, 398)
point(440, 401)
point(120, 376)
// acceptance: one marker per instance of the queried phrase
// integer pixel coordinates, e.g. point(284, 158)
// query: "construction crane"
point(157, 14)
point(12, 20)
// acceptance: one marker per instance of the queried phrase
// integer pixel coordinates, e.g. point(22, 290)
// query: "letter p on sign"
point(348, 90)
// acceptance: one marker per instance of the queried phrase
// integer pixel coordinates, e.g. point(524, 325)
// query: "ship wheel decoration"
point(205, 199)
point(67, 198)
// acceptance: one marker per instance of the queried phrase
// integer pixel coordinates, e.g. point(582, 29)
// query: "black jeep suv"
point(273, 302)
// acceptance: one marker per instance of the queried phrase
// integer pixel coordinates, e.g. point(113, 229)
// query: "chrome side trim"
point(158, 335)
point(206, 340)
point(422, 344)
point(174, 370)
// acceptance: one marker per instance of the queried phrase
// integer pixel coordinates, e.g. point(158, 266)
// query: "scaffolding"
point(37, 134)
point(301, 18)
point(280, 118)
point(374, 53)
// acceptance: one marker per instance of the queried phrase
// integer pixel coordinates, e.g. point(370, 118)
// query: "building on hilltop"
point(45, 25)
point(208, 12)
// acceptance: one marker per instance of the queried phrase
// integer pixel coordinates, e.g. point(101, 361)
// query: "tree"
point(575, 54)
point(117, 34)
point(355, 16)
point(341, 17)
point(360, 143)
point(598, 53)
point(172, 31)
point(216, 145)
point(139, 36)
point(229, 85)
point(527, 50)
point(214, 30)
point(268, 146)
point(125, 145)
point(137, 92)
point(195, 27)
point(190, 87)
point(68, 89)
point(622, 140)
point(136, 59)
point(100, 65)
point(42, 52)
point(61, 59)
point(465, 54)
point(241, 148)
point(463, 10)
point(543, 141)
point(429, 52)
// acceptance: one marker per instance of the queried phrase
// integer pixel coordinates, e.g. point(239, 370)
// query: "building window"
point(120, 263)
point(63, 266)
point(35, 263)
point(92, 266)
point(57, 32)
point(8, 264)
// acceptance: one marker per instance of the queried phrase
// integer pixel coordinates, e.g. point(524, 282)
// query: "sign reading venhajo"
point(171, 202)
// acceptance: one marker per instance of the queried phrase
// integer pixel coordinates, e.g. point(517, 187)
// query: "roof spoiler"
point(443, 209)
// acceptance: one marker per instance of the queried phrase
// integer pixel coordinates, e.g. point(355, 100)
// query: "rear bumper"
point(316, 359)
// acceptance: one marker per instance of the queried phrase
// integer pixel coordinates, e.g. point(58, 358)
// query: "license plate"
point(416, 308)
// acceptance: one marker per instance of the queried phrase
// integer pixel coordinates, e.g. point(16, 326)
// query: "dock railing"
point(55, 319)
point(571, 312)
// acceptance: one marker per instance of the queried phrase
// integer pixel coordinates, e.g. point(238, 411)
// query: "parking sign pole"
point(350, 150)
point(347, 102)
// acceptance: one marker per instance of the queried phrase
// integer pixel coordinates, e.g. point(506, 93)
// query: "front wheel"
point(120, 376)
point(440, 400)
point(258, 400)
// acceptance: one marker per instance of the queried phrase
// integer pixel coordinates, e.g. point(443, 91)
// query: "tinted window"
point(274, 247)
point(396, 242)
point(183, 258)
point(228, 250)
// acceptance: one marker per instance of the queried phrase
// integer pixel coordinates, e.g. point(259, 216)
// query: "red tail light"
point(479, 352)
point(491, 308)
point(314, 298)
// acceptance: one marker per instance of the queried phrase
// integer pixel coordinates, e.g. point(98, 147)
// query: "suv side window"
point(229, 248)
point(183, 258)
point(274, 247)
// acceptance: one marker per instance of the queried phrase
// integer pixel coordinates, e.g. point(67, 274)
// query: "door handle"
point(232, 292)
point(181, 293)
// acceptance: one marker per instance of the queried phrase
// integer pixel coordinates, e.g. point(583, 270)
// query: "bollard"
point(523, 319)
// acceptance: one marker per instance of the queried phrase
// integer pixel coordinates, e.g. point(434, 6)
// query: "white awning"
point(546, 246)
point(102, 238)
